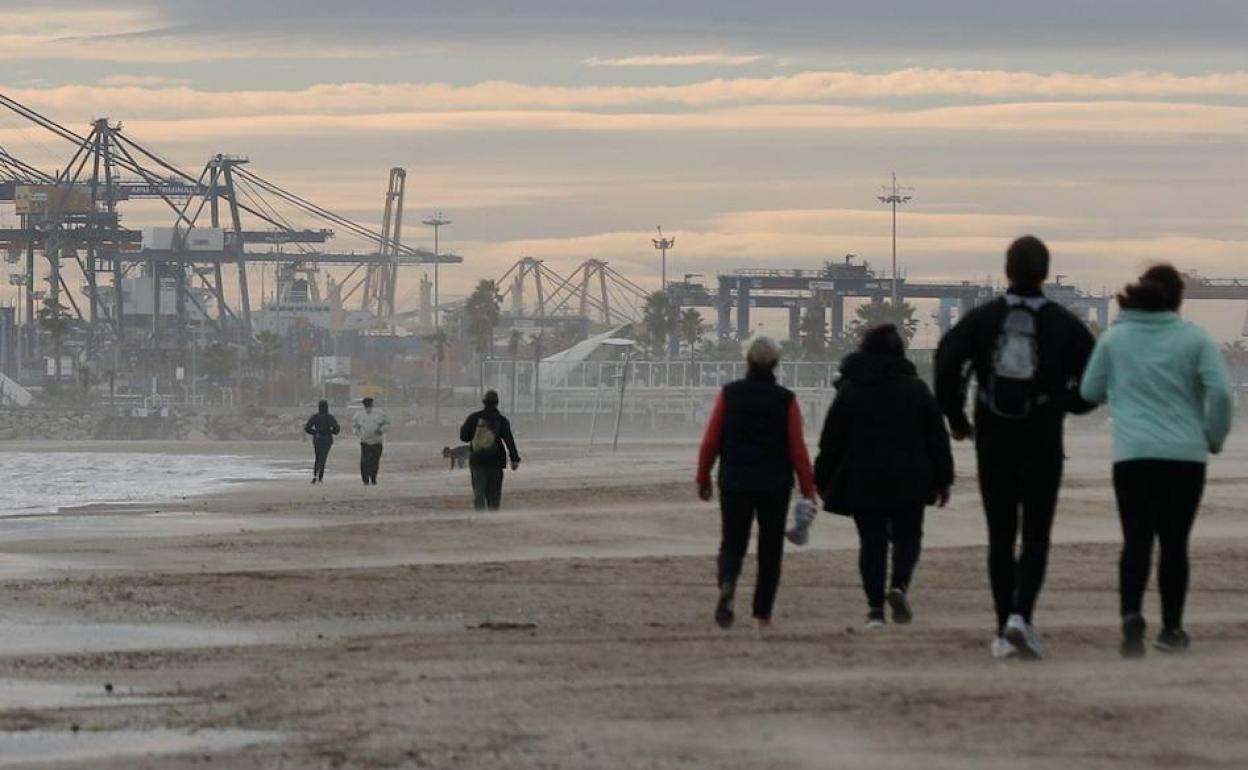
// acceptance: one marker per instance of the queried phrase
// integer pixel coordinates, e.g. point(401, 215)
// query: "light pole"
point(628, 345)
point(662, 244)
point(893, 196)
point(436, 222)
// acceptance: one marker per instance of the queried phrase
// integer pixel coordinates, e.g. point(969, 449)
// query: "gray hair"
point(763, 352)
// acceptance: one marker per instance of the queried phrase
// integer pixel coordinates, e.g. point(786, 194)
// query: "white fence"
point(657, 393)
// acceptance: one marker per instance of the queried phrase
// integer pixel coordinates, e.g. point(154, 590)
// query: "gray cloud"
point(922, 25)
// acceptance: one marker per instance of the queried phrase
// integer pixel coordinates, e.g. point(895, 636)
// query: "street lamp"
point(436, 222)
point(663, 244)
point(893, 196)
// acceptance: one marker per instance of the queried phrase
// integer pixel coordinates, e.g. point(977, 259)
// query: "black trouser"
point(1014, 479)
point(1157, 499)
point(370, 462)
point(321, 448)
point(876, 529)
point(738, 509)
point(487, 487)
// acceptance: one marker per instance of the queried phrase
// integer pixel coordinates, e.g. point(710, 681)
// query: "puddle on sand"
point(36, 747)
point(16, 693)
point(50, 638)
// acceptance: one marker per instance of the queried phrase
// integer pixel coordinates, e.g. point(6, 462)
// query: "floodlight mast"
point(662, 244)
point(893, 196)
point(437, 221)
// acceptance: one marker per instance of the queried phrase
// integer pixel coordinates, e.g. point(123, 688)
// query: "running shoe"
point(1024, 637)
point(724, 615)
point(900, 604)
point(875, 618)
point(1002, 649)
point(1173, 640)
point(1133, 635)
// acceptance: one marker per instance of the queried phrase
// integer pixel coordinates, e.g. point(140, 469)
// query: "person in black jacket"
point(488, 435)
point(755, 431)
point(883, 456)
point(322, 427)
point(1028, 355)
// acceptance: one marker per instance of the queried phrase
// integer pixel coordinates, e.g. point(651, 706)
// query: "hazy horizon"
point(758, 135)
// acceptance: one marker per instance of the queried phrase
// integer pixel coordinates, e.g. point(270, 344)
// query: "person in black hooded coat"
point(322, 427)
point(884, 455)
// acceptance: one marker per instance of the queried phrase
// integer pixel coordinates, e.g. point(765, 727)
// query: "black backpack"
point(1011, 391)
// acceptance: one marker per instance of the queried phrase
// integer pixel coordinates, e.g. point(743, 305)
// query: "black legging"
point(320, 448)
point(738, 510)
point(1157, 499)
point(487, 487)
point(876, 529)
point(1013, 479)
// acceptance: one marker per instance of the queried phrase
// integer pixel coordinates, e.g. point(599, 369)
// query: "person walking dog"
point(491, 444)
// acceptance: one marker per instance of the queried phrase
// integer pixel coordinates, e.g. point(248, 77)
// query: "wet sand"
point(355, 627)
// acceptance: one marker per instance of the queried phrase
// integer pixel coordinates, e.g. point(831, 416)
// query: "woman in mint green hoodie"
point(1166, 385)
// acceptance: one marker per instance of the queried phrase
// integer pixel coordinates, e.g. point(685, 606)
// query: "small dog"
point(458, 456)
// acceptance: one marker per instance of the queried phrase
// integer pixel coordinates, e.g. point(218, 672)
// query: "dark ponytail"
point(1159, 289)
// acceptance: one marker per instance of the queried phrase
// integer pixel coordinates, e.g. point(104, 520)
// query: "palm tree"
point(438, 339)
point(878, 313)
point(267, 352)
point(691, 332)
point(514, 341)
point(54, 319)
point(483, 312)
point(814, 333)
point(692, 329)
point(538, 341)
point(659, 320)
point(219, 362)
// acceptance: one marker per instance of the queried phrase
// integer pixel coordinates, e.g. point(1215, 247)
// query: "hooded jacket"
point(1166, 384)
point(322, 427)
point(884, 445)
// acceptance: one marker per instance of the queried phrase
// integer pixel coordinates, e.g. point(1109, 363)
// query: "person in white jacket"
point(370, 425)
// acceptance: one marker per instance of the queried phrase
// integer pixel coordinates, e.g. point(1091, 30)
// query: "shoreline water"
point(50, 482)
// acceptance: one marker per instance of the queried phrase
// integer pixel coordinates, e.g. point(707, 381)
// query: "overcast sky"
point(758, 133)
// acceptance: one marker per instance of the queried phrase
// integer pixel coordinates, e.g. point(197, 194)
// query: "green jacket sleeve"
point(1212, 370)
point(1095, 385)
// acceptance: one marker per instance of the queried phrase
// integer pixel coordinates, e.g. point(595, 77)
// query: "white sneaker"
point(1002, 649)
point(1024, 637)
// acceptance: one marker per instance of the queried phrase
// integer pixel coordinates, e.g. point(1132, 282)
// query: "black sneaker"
point(875, 618)
point(900, 605)
point(1172, 640)
point(724, 615)
point(1133, 636)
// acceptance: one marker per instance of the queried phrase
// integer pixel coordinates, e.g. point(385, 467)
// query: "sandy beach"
point(276, 624)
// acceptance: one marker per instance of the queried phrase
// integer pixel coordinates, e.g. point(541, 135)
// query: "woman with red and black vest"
point(755, 431)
